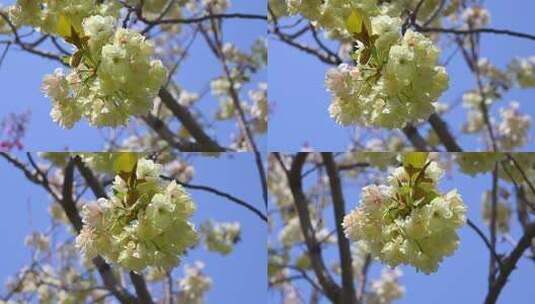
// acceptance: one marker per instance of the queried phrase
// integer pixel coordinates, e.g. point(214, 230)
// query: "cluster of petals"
point(408, 220)
point(399, 82)
point(143, 223)
point(113, 79)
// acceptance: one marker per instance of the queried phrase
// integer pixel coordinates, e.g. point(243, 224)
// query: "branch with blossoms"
point(403, 219)
point(125, 76)
point(160, 204)
point(145, 95)
point(388, 78)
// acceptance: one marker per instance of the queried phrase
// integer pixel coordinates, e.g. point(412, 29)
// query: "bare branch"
point(158, 126)
point(441, 128)
point(415, 138)
point(329, 286)
point(363, 277)
point(423, 29)
point(485, 240)
point(141, 288)
point(189, 122)
point(522, 213)
point(493, 214)
point(206, 18)
point(509, 264)
point(242, 121)
point(325, 58)
point(348, 290)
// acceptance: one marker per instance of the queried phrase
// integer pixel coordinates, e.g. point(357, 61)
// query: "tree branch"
point(493, 213)
point(67, 201)
point(522, 213)
point(141, 288)
point(363, 277)
point(485, 240)
point(510, 264)
point(242, 121)
point(423, 29)
point(158, 126)
point(325, 58)
point(415, 138)
point(35, 178)
point(441, 128)
point(348, 291)
point(331, 289)
point(189, 122)
point(206, 18)
point(26, 46)
point(221, 194)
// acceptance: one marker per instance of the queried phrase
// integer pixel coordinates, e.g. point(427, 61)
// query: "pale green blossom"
point(194, 285)
point(503, 212)
point(221, 237)
point(399, 89)
point(408, 221)
point(143, 223)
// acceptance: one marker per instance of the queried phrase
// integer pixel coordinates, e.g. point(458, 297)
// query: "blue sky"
point(21, 75)
point(461, 278)
point(237, 278)
point(297, 89)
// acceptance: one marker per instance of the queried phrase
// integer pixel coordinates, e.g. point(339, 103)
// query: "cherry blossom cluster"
point(386, 289)
point(503, 212)
point(194, 284)
point(142, 224)
point(112, 77)
point(221, 237)
point(397, 87)
point(49, 16)
point(328, 14)
point(514, 129)
point(408, 220)
point(474, 163)
point(524, 71)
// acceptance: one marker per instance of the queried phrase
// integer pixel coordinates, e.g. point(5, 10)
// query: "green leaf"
point(64, 26)
point(66, 59)
point(414, 159)
point(359, 22)
point(354, 22)
point(125, 162)
point(75, 39)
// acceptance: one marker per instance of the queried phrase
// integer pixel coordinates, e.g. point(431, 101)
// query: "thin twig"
point(221, 194)
point(485, 240)
point(473, 31)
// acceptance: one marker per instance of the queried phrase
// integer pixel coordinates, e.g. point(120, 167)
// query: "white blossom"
point(514, 128)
